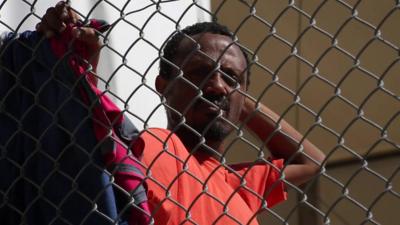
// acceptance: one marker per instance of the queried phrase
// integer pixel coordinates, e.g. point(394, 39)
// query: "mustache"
point(220, 101)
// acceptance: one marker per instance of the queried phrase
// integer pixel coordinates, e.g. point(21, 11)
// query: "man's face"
point(216, 69)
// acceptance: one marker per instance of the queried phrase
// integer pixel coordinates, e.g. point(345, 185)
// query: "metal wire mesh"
point(328, 67)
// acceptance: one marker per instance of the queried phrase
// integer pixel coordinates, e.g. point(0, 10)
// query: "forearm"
point(282, 140)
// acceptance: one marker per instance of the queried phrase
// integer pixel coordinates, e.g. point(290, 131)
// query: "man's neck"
point(194, 143)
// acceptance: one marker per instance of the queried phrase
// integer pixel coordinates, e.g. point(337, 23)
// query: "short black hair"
point(170, 49)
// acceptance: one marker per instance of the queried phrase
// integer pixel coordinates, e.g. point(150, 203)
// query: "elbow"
point(316, 163)
point(313, 158)
point(306, 169)
point(314, 169)
point(308, 173)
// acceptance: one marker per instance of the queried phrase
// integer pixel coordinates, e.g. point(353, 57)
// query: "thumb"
point(87, 35)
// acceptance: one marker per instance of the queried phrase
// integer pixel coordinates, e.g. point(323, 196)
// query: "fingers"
point(86, 34)
point(73, 16)
point(66, 13)
point(62, 10)
point(51, 23)
point(56, 19)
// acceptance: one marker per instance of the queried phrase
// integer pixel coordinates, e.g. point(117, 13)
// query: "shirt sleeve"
point(256, 182)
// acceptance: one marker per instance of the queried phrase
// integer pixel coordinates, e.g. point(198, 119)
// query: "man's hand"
point(58, 18)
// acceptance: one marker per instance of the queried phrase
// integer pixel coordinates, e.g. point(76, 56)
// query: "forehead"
point(211, 47)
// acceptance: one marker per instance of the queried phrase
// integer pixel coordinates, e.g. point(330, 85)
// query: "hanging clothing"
point(65, 147)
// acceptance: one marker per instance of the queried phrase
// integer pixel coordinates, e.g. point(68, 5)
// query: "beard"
point(217, 131)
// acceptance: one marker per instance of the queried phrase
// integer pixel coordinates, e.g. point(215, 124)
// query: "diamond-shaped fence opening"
point(295, 100)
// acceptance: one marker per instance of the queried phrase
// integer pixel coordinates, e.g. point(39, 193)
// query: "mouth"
point(214, 105)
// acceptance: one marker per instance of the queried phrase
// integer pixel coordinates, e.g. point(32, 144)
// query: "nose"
point(216, 85)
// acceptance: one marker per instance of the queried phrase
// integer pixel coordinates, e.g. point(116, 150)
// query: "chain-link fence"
point(70, 155)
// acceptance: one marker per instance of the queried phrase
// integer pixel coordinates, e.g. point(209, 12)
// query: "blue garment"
point(51, 167)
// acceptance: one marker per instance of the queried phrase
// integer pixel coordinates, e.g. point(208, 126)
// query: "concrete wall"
point(335, 66)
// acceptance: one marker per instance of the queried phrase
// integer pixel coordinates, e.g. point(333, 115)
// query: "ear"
point(161, 84)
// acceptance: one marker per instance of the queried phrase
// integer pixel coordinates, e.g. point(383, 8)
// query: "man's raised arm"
point(283, 141)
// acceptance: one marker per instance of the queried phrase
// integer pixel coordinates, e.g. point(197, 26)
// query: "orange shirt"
point(198, 189)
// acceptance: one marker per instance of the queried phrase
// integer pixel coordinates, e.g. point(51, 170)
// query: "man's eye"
point(231, 79)
point(204, 72)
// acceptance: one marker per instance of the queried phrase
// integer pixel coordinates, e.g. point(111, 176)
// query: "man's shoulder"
point(155, 133)
point(157, 139)
point(163, 153)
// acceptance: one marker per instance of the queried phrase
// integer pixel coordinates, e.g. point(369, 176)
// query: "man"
point(203, 82)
